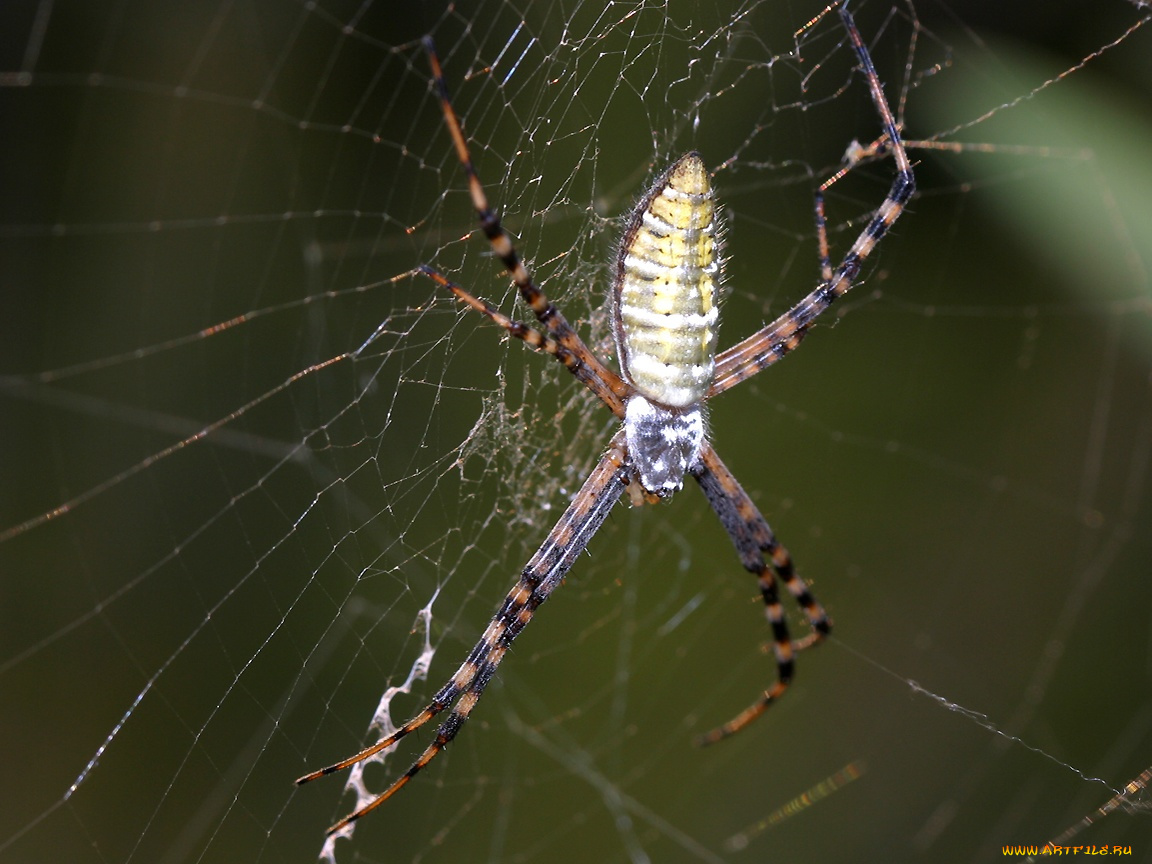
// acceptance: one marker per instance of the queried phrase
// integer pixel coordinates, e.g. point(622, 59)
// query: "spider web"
point(257, 474)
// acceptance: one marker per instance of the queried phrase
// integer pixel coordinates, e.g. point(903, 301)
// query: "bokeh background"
point(243, 447)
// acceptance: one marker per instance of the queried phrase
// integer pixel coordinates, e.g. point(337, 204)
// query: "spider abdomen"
point(665, 312)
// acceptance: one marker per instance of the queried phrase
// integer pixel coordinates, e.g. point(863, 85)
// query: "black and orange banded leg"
point(543, 572)
point(595, 375)
point(763, 348)
point(534, 339)
point(762, 555)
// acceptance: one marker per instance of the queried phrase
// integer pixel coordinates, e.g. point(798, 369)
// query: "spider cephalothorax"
point(665, 319)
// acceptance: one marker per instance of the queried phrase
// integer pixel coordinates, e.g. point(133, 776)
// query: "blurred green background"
point(243, 447)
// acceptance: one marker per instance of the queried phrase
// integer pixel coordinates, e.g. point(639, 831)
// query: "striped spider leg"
point(772, 343)
point(664, 315)
point(763, 556)
point(543, 572)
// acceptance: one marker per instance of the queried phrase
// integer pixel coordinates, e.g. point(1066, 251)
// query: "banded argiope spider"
point(665, 317)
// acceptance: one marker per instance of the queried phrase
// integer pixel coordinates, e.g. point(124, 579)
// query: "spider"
point(664, 316)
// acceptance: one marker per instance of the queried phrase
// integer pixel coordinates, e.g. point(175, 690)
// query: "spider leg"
point(765, 347)
point(534, 339)
point(543, 572)
point(595, 375)
point(762, 555)
point(822, 240)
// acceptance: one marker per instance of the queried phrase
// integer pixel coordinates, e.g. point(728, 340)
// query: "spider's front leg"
point(762, 555)
point(543, 572)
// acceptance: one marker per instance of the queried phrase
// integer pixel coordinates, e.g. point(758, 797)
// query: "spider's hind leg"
point(757, 352)
point(763, 556)
point(579, 359)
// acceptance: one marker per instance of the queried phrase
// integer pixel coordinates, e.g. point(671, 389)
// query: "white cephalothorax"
point(665, 321)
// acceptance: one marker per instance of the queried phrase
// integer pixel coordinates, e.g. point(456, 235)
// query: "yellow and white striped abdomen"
point(665, 312)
